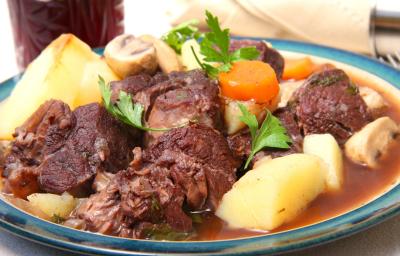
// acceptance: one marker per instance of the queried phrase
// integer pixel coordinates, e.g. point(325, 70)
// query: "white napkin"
point(338, 23)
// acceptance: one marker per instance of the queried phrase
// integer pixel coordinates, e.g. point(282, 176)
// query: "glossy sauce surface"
point(361, 185)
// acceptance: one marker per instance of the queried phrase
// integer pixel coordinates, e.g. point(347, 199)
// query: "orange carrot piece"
point(250, 80)
point(298, 68)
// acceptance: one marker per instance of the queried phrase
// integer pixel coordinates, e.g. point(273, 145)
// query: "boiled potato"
point(326, 147)
point(287, 90)
point(54, 205)
point(57, 73)
point(273, 193)
point(25, 206)
point(232, 112)
point(89, 85)
point(188, 59)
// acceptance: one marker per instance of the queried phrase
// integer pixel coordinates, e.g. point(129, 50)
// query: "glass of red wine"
point(38, 22)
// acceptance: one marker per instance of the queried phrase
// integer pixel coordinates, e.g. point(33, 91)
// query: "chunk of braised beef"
point(57, 150)
point(135, 84)
point(98, 142)
point(329, 102)
point(216, 161)
point(174, 99)
point(186, 168)
point(43, 133)
point(267, 54)
point(184, 97)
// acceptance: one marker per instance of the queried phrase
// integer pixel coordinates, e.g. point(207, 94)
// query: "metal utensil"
point(385, 28)
point(391, 59)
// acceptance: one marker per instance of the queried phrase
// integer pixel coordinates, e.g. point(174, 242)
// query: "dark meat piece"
point(174, 99)
point(98, 142)
point(42, 134)
point(186, 168)
point(102, 212)
point(184, 97)
point(100, 138)
point(267, 54)
point(208, 147)
point(102, 180)
point(65, 170)
point(135, 84)
point(329, 103)
point(196, 102)
point(57, 150)
point(240, 143)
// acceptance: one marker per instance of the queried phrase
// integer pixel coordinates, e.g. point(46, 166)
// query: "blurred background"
point(369, 27)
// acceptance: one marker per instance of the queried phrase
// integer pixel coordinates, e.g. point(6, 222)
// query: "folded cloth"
point(339, 23)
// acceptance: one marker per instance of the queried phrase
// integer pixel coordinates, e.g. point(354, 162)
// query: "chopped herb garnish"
point(155, 206)
point(352, 89)
point(215, 49)
point(57, 219)
point(328, 80)
point(165, 232)
point(181, 33)
point(271, 133)
point(124, 109)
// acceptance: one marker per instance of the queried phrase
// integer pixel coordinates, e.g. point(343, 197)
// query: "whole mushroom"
point(128, 55)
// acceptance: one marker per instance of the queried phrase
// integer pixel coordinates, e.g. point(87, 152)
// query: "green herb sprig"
point(271, 133)
point(215, 49)
point(124, 109)
point(181, 33)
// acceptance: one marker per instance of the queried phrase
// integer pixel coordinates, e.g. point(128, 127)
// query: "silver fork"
point(391, 59)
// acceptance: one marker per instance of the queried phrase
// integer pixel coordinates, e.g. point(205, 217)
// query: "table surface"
point(382, 239)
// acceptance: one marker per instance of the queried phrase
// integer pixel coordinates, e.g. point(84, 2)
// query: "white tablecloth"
point(383, 239)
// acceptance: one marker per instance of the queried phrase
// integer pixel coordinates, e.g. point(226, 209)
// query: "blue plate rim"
point(380, 209)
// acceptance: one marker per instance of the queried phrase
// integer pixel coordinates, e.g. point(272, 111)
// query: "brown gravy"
point(361, 185)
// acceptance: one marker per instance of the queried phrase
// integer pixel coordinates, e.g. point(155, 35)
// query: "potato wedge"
point(89, 86)
point(55, 74)
point(274, 193)
point(25, 206)
point(188, 60)
point(232, 113)
point(54, 205)
point(326, 147)
point(286, 91)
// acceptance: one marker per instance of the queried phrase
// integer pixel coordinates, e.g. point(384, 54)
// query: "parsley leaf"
point(271, 133)
point(181, 33)
point(215, 48)
point(129, 113)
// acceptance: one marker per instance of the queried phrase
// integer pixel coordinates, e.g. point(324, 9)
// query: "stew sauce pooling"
point(361, 185)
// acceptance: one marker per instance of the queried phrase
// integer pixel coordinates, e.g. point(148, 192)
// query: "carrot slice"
point(298, 68)
point(250, 80)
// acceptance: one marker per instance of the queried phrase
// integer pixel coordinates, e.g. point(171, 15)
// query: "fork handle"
point(385, 27)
